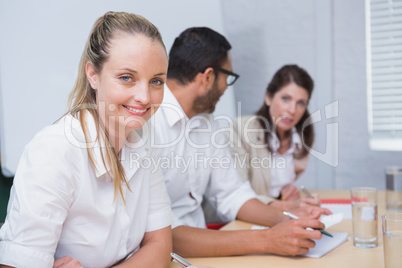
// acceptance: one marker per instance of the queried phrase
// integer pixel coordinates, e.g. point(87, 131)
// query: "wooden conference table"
point(344, 256)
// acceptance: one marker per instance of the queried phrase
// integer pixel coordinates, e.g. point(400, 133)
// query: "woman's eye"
point(157, 82)
point(285, 98)
point(125, 78)
point(301, 103)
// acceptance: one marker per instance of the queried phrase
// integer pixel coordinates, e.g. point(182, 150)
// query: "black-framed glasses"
point(232, 77)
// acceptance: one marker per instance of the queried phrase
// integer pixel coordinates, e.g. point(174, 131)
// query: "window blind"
point(384, 73)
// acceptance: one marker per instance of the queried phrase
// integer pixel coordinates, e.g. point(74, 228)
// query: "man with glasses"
point(198, 167)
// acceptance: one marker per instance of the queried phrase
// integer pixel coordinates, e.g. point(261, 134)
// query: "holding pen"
point(179, 260)
point(290, 192)
point(292, 216)
point(183, 262)
point(309, 198)
point(306, 192)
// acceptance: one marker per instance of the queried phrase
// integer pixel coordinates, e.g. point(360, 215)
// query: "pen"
point(292, 216)
point(179, 260)
point(306, 192)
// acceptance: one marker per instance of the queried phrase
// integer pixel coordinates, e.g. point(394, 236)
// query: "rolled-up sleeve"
point(226, 191)
point(19, 256)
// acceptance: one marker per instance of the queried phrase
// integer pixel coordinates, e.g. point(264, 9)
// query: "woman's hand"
point(67, 262)
point(290, 192)
point(312, 201)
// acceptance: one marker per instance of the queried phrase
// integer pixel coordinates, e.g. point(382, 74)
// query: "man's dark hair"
point(194, 50)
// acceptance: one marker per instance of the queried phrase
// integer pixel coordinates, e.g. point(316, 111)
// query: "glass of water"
point(392, 234)
point(393, 177)
point(364, 212)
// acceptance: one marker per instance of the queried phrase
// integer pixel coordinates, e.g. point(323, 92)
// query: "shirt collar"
point(133, 151)
point(134, 140)
point(274, 142)
point(174, 113)
point(172, 108)
point(96, 144)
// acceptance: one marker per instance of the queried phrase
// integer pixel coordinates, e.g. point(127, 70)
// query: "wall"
point(327, 38)
point(358, 164)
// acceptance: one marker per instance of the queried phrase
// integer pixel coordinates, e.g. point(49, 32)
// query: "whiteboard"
point(41, 43)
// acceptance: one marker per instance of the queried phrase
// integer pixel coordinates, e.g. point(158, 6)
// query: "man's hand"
point(292, 238)
point(67, 262)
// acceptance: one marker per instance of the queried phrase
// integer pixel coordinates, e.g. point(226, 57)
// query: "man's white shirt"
point(195, 167)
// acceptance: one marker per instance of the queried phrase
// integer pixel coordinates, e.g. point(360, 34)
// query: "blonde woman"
point(77, 197)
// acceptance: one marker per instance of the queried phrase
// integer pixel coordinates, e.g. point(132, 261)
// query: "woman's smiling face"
point(129, 88)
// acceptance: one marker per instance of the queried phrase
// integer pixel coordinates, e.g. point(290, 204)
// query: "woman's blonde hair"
point(83, 97)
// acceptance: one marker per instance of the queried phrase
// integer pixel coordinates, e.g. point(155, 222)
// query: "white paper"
point(330, 220)
point(326, 244)
point(345, 209)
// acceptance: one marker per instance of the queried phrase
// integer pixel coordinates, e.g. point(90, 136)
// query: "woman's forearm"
point(154, 251)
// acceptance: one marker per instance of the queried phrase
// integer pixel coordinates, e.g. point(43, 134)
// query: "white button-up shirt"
point(61, 205)
point(283, 168)
point(194, 166)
